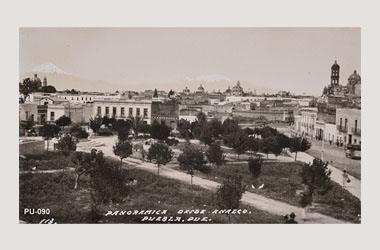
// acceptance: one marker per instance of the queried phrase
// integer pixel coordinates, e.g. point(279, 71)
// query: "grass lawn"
point(45, 161)
point(55, 191)
point(281, 181)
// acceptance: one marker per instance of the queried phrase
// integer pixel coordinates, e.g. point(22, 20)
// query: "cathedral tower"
point(335, 74)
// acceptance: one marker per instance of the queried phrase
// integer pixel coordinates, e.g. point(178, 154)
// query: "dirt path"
point(255, 200)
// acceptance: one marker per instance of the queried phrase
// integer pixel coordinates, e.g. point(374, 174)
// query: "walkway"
point(354, 187)
point(255, 200)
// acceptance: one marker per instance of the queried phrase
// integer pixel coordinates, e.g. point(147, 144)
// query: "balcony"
point(342, 129)
point(356, 131)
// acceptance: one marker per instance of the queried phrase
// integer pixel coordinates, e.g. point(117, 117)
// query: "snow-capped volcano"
point(49, 68)
point(208, 78)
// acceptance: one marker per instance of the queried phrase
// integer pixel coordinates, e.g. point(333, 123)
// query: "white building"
point(305, 123)
point(348, 125)
point(123, 108)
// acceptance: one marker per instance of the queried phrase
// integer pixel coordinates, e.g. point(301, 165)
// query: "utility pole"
point(323, 144)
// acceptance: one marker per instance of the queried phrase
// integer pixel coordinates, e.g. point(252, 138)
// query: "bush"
point(66, 144)
point(171, 141)
point(105, 132)
point(78, 132)
point(254, 166)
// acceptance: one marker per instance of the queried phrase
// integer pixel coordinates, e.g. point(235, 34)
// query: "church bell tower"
point(335, 74)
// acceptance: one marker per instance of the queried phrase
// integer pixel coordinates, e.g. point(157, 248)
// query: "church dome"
point(200, 88)
point(354, 78)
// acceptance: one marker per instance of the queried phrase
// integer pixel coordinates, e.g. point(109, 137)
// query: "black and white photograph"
point(190, 125)
point(203, 124)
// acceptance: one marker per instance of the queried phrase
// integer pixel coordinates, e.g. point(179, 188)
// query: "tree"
point(215, 128)
point(78, 132)
point(123, 134)
point(144, 128)
point(205, 137)
point(120, 124)
point(136, 123)
point(299, 144)
point(266, 131)
point(229, 193)
point(201, 118)
point(317, 179)
point(184, 128)
point(28, 86)
point(108, 183)
point(252, 144)
point(106, 120)
point(66, 144)
point(239, 142)
point(283, 140)
point(48, 89)
point(122, 128)
point(196, 129)
point(275, 147)
point(161, 154)
point(95, 124)
point(249, 131)
point(268, 144)
point(210, 131)
point(159, 131)
point(192, 159)
point(123, 149)
point(48, 131)
point(83, 164)
point(254, 166)
point(230, 126)
point(215, 154)
point(112, 121)
point(63, 121)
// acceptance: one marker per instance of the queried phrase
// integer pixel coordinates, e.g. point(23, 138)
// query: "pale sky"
point(294, 59)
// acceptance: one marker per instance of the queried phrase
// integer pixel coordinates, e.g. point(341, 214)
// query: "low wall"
point(32, 147)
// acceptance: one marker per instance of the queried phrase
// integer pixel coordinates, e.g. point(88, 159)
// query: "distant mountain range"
point(62, 80)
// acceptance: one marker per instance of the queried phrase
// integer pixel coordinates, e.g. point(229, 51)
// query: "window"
point(99, 111)
point(122, 111)
point(114, 111)
point(145, 112)
point(27, 115)
point(345, 123)
point(77, 98)
point(32, 117)
point(356, 125)
point(340, 123)
point(82, 98)
point(137, 111)
point(130, 112)
point(107, 110)
point(51, 116)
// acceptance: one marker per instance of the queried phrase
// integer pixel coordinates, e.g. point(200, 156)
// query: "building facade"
point(348, 126)
point(123, 108)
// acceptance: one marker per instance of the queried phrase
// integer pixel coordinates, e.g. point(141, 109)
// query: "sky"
point(293, 59)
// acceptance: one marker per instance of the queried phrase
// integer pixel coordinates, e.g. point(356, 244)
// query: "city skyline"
point(292, 59)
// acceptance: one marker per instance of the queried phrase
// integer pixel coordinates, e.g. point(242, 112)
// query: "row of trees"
point(241, 140)
point(122, 127)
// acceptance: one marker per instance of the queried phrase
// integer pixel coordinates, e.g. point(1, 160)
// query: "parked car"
point(353, 151)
